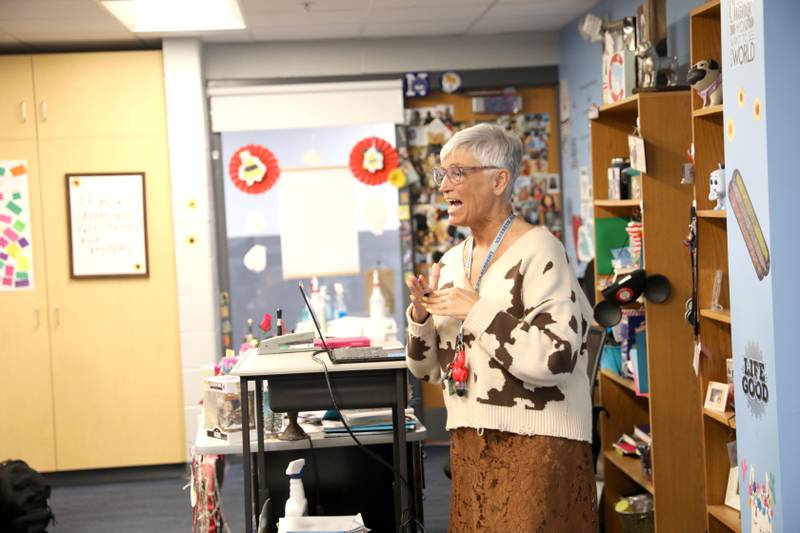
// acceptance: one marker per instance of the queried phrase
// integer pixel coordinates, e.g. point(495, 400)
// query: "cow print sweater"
point(525, 343)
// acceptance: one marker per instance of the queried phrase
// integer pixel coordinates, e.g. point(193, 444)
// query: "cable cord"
point(366, 450)
point(318, 510)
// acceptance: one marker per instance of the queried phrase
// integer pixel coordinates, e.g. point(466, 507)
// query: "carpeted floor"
point(152, 499)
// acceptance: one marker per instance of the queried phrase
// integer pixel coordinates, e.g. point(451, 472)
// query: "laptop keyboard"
point(360, 354)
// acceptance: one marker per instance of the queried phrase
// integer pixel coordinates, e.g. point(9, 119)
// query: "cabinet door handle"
point(57, 315)
point(23, 111)
point(38, 316)
point(43, 106)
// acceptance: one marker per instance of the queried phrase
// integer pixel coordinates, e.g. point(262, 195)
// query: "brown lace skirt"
point(508, 483)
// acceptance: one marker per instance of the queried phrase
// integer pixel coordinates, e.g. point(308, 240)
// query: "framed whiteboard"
point(107, 225)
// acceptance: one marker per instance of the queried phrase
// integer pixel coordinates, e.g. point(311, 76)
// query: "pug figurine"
point(716, 191)
point(705, 77)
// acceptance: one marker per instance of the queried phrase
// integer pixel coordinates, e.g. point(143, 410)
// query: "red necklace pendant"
point(459, 371)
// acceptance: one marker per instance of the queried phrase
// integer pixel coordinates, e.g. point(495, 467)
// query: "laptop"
point(352, 354)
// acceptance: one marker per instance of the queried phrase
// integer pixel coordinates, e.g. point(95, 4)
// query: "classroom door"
point(26, 399)
point(116, 358)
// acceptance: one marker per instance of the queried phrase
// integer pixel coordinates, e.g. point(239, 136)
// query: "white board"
point(108, 232)
point(318, 222)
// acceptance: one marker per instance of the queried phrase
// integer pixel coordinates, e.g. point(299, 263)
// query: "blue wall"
point(580, 67)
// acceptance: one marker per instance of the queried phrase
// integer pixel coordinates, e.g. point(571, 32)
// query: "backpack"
point(23, 499)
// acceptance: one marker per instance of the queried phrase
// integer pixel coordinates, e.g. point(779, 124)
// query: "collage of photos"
point(537, 192)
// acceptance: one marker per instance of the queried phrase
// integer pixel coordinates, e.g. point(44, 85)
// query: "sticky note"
point(18, 170)
point(7, 281)
point(10, 234)
point(21, 275)
point(3, 256)
point(22, 283)
point(14, 208)
point(1, 194)
point(5, 218)
point(3, 242)
point(24, 263)
point(23, 242)
point(2, 171)
point(9, 270)
point(14, 250)
point(19, 226)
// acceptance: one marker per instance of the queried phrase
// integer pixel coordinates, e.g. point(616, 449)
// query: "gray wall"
point(273, 60)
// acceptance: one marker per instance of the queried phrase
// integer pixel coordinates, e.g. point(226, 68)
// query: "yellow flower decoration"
point(398, 178)
point(740, 97)
point(757, 109)
point(731, 130)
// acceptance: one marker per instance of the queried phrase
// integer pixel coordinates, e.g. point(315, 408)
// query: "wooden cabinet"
point(26, 393)
point(95, 379)
point(17, 103)
point(671, 409)
point(99, 94)
point(712, 255)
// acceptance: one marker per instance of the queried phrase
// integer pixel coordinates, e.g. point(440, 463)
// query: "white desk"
point(297, 382)
point(205, 445)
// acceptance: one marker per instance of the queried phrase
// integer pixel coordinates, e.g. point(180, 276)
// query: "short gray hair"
point(492, 146)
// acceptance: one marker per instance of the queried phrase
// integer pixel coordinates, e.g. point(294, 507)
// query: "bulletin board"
point(107, 225)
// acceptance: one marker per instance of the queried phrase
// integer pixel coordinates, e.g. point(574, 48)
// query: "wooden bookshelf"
point(708, 111)
point(619, 380)
point(723, 316)
point(728, 418)
point(665, 122)
point(727, 516)
point(618, 203)
point(632, 467)
point(712, 254)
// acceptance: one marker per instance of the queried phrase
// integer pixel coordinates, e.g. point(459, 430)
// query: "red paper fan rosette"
point(390, 161)
point(253, 169)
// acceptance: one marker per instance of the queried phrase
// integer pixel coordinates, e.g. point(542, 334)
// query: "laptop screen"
point(313, 315)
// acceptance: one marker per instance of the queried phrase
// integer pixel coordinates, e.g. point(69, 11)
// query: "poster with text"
point(16, 252)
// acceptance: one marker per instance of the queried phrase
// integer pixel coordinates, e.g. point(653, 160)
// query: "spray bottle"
point(296, 505)
point(377, 303)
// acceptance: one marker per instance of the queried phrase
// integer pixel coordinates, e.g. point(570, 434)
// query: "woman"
point(502, 326)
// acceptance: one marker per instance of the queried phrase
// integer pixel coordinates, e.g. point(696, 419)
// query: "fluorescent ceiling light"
point(176, 15)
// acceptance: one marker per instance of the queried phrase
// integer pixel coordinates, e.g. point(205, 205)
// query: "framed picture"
point(107, 225)
point(732, 491)
point(717, 396)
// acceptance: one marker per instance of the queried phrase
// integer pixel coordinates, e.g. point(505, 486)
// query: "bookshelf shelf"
point(619, 380)
point(628, 105)
point(631, 466)
point(618, 203)
point(708, 111)
point(709, 9)
point(711, 213)
point(708, 132)
point(665, 121)
point(728, 516)
point(727, 419)
point(719, 316)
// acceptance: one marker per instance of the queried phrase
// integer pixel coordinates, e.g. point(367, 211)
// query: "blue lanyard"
point(492, 250)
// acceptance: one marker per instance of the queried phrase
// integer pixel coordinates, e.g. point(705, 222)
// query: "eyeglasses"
point(456, 173)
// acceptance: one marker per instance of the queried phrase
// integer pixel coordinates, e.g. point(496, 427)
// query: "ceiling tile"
point(527, 9)
point(225, 36)
point(331, 18)
point(50, 9)
point(296, 6)
point(431, 14)
point(428, 4)
point(434, 28)
point(312, 32)
point(72, 26)
point(32, 38)
point(516, 24)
